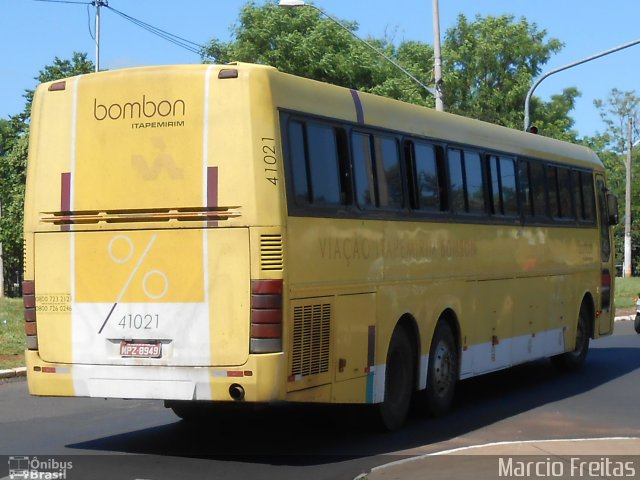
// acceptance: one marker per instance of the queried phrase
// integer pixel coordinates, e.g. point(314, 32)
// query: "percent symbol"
point(123, 259)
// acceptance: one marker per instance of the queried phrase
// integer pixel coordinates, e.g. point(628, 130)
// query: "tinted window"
point(577, 194)
point(525, 188)
point(298, 162)
point(474, 182)
point(456, 181)
point(363, 170)
point(605, 241)
point(324, 165)
point(552, 188)
point(388, 172)
point(565, 193)
point(503, 186)
point(536, 185)
point(426, 177)
point(588, 196)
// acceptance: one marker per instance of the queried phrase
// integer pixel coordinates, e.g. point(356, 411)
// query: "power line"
point(170, 37)
point(64, 1)
point(188, 45)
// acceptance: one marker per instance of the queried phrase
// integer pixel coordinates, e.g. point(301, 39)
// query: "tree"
point(619, 112)
point(14, 140)
point(300, 42)
point(488, 67)
point(489, 63)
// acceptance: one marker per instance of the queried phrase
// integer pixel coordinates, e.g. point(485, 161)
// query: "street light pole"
point(527, 100)
point(437, 58)
point(301, 3)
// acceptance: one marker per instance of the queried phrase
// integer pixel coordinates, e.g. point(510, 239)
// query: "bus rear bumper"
point(261, 379)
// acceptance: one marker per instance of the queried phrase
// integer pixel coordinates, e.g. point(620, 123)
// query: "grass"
point(12, 335)
point(626, 292)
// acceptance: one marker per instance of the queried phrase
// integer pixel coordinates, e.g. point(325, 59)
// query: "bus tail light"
point(266, 316)
point(29, 301)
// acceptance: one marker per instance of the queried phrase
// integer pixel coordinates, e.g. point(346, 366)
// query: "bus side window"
point(565, 201)
point(456, 180)
point(503, 186)
point(474, 182)
point(605, 241)
point(388, 172)
point(324, 167)
point(363, 170)
point(317, 160)
point(588, 196)
point(426, 176)
point(346, 189)
point(577, 195)
point(537, 186)
point(552, 187)
point(525, 192)
point(299, 165)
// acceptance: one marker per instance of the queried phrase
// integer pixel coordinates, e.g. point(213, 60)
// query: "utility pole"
point(627, 205)
point(437, 58)
point(98, 4)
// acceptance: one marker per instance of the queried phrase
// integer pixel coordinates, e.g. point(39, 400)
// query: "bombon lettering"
point(145, 108)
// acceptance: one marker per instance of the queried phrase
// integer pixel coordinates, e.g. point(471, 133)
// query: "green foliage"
point(626, 292)
point(612, 147)
point(489, 65)
point(14, 141)
point(299, 41)
point(11, 326)
point(13, 171)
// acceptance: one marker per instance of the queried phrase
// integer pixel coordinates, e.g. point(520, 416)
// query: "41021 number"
point(139, 321)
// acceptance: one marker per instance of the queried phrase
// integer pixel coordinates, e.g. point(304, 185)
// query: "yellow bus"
point(225, 234)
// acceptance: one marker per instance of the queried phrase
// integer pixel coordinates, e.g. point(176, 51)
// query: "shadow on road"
point(312, 435)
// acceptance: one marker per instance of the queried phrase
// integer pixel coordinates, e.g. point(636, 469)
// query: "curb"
point(13, 372)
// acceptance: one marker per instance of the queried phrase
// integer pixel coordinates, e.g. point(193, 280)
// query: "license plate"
point(141, 350)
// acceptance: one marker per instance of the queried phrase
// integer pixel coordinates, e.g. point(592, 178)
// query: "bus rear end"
point(140, 217)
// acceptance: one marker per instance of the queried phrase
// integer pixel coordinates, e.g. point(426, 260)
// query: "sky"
point(33, 33)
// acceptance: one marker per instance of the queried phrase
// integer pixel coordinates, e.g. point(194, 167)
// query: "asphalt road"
point(131, 439)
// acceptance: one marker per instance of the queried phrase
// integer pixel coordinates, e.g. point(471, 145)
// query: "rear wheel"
point(575, 359)
point(399, 380)
point(636, 323)
point(442, 371)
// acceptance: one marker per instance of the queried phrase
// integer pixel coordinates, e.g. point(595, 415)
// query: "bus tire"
point(398, 383)
point(442, 371)
point(636, 323)
point(575, 359)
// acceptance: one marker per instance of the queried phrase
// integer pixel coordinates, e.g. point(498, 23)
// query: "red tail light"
point(29, 301)
point(266, 316)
